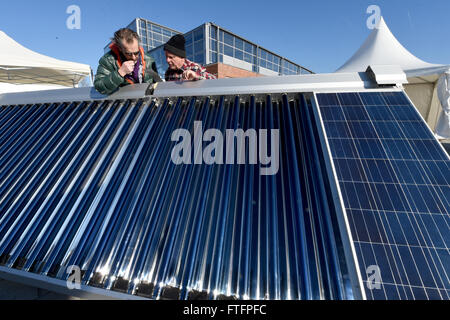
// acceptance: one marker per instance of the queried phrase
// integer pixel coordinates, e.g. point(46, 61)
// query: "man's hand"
point(190, 75)
point(127, 68)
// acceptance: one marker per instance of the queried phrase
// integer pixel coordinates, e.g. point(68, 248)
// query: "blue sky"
point(320, 35)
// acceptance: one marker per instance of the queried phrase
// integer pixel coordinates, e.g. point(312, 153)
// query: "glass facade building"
point(152, 34)
point(210, 44)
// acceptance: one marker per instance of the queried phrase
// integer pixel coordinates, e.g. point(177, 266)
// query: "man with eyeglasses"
point(126, 63)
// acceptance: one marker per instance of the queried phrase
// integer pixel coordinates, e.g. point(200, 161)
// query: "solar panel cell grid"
point(394, 180)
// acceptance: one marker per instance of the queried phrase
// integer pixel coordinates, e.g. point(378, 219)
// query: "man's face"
point(174, 61)
point(130, 50)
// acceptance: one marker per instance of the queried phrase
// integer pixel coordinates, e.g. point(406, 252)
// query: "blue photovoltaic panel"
point(394, 179)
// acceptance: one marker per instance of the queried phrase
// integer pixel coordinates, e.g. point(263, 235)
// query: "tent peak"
point(382, 48)
point(381, 24)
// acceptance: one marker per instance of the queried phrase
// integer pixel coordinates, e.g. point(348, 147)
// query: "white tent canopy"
point(20, 65)
point(382, 48)
point(10, 87)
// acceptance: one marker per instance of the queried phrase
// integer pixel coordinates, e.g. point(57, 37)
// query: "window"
point(213, 57)
point(198, 34)
point(142, 24)
point(189, 50)
point(248, 57)
point(198, 46)
point(238, 54)
point(276, 60)
point(157, 37)
point(188, 38)
point(156, 29)
point(262, 63)
point(167, 32)
point(228, 39)
point(213, 32)
point(248, 47)
point(228, 50)
point(239, 44)
point(213, 44)
point(263, 54)
point(200, 58)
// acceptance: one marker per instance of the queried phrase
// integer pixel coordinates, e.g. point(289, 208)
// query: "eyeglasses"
point(131, 53)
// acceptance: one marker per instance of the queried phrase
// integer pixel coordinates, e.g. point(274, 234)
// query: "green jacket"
point(108, 79)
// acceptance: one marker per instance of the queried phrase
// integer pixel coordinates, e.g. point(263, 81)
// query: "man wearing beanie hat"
point(181, 68)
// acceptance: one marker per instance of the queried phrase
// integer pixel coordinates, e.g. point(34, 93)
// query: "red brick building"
point(226, 71)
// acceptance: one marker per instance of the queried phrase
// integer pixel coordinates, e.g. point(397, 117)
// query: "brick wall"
point(225, 71)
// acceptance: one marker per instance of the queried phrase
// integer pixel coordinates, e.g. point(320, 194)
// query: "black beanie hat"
point(175, 45)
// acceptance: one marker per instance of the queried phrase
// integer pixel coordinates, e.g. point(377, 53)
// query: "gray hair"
point(125, 34)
